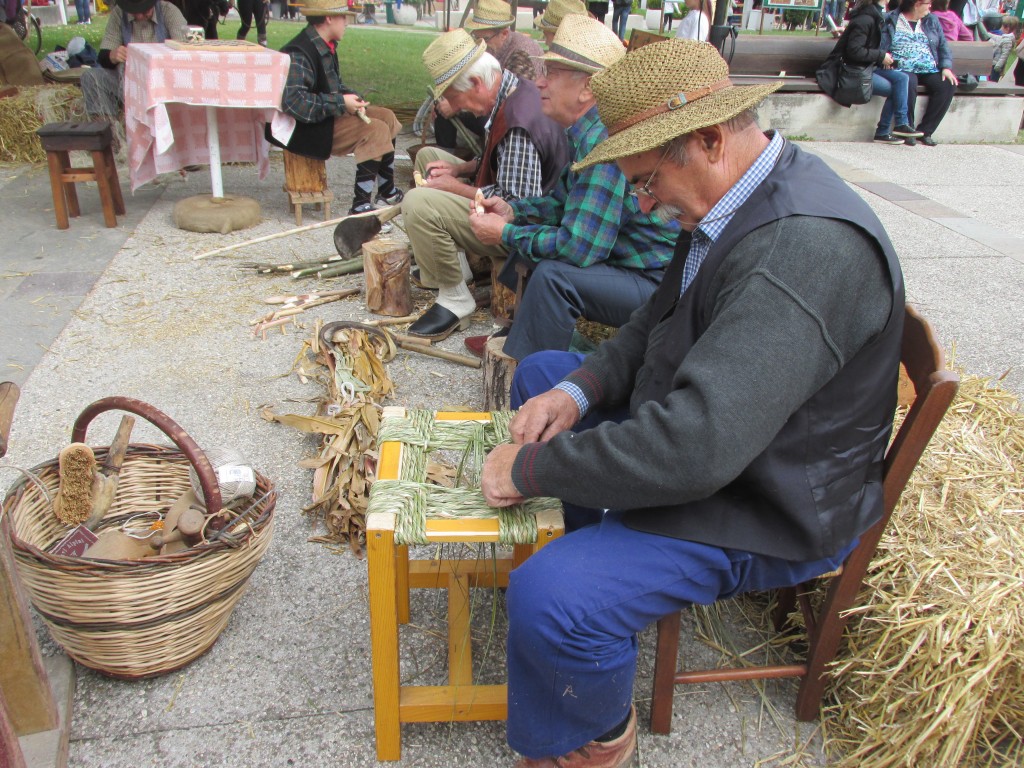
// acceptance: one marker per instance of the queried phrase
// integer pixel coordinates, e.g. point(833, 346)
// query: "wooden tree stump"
point(305, 181)
point(498, 371)
point(386, 269)
point(503, 300)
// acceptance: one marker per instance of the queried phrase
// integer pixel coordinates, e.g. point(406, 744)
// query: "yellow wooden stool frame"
point(392, 574)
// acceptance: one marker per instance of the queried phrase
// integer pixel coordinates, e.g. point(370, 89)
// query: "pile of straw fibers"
point(28, 110)
point(934, 671)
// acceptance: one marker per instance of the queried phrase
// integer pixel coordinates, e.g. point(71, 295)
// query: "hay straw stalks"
point(934, 671)
point(29, 109)
point(355, 381)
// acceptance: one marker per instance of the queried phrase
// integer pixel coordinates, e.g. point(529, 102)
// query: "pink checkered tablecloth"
point(166, 95)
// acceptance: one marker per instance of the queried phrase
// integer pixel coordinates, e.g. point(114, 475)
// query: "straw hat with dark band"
point(662, 91)
point(325, 8)
point(585, 44)
point(491, 14)
point(558, 10)
point(449, 56)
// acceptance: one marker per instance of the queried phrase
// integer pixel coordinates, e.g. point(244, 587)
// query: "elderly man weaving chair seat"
point(523, 155)
point(734, 429)
point(591, 251)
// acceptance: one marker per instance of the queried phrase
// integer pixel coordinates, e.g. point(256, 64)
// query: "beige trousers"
point(369, 141)
point(437, 224)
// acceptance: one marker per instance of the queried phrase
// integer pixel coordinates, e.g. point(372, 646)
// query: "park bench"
point(991, 112)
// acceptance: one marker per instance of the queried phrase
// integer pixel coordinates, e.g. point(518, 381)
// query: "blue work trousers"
point(575, 608)
point(893, 84)
point(557, 294)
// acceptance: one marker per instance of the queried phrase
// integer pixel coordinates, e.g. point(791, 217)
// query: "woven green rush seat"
point(405, 509)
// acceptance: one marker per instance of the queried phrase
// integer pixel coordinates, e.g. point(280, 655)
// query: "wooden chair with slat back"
point(929, 391)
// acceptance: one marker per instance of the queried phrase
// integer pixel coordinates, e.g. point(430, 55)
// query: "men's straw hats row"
point(491, 14)
point(325, 8)
point(449, 55)
point(558, 10)
point(665, 90)
point(585, 44)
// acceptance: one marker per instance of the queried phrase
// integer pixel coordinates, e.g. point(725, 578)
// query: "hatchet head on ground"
point(359, 228)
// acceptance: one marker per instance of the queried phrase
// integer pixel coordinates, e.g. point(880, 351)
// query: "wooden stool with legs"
point(58, 139)
point(305, 181)
point(405, 510)
point(928, 389)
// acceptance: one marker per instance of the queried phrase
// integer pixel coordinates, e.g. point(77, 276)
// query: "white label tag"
point(234, 473)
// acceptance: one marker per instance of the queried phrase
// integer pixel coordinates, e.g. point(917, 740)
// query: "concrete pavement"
point(92, 312)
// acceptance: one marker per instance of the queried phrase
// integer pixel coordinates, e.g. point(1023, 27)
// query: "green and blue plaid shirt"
point(589, 217)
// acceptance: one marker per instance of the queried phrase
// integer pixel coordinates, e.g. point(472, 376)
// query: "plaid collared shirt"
point(519, 172)
point(299, 99)
point(142, 31)
point(589, 216)
point(709, 230)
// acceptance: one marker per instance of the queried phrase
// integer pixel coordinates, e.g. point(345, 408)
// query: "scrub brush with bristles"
point(74, 501)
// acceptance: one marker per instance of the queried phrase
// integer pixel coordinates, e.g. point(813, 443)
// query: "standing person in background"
point(249, 10)
point(953, 26)
point(598, 9)
point(131, 21)
point(668, 10)
point(696, 23)
point(620, 16)
point(491, 23)
point(84, 10)
point(1004, 43)
point(205, 14)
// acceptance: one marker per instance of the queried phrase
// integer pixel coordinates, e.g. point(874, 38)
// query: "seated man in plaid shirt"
point(332, 119)
point(524, 153)
point(590, 250)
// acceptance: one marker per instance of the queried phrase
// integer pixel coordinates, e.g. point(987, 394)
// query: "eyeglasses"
point(547, 70)
point(646, 188)
point(483, 37)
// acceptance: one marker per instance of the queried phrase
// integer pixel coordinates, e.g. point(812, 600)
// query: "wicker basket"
point(137, 619)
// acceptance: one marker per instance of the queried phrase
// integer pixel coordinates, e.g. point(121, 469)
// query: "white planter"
point(405, 16)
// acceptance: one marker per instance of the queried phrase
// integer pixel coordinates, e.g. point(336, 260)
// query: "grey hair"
point(675, 151)
point(486, 68)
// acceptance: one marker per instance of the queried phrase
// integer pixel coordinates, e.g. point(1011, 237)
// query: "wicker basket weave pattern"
point(135, 619)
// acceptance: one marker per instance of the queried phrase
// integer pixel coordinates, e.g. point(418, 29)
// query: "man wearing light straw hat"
point(523, 154)
point(491, 23)
point(557, 10)
point(734, 429)
point(330, 116)
point(590, 249)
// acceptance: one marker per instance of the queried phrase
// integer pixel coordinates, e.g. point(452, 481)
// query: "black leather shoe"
point(414, 278)
point(928, 141)
point(910, 142)
point(437, 323)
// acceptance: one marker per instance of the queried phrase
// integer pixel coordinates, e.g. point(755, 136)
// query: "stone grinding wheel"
point(203, 213)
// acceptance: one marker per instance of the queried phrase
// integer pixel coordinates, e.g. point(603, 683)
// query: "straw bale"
point(933, 673)
point(32, 107)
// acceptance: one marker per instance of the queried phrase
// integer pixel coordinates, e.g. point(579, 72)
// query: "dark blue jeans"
point(575, 608)
point(559, 293)
point(620, 15)
point(893, 84)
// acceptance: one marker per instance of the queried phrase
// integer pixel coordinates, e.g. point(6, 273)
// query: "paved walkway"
point(92, 312)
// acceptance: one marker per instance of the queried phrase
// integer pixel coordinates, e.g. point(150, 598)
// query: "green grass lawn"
point(384, 66)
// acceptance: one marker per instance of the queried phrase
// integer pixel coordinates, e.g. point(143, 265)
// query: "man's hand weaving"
point(543, 417)
point(496, 479)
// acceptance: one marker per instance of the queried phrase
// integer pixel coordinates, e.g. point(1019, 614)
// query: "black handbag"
point(847, 84)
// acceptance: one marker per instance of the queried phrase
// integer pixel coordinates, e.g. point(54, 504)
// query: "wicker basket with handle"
point(140, 618)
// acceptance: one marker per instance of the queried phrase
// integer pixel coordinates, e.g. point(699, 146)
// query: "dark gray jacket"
point(761, 400)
